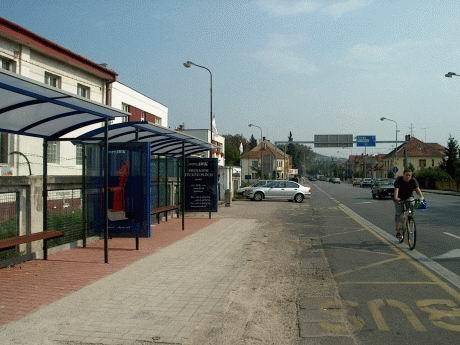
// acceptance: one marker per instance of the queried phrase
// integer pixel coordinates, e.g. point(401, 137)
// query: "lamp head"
point(382, 118)
point(450, 74)
point(250, 125)
point(188, 64)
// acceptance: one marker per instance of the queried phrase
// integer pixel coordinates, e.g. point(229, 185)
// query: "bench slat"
point(164, 209)
point(44, 235)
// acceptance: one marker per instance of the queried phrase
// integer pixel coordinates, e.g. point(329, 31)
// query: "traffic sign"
point(333, 140)
point(365, 140)
point(395, 169)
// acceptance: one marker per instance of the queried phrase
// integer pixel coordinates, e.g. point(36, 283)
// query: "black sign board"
point(201, 184)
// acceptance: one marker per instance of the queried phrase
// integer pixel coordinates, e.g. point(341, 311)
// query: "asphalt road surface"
point(438, 227)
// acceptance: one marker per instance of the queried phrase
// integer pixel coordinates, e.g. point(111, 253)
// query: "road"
point(438, 230)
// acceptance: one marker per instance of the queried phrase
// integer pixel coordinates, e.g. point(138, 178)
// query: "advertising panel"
point(201, 184)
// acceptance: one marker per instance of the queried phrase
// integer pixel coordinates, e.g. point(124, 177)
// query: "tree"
point(232, 148)
point(452, 156)
point(252, 142)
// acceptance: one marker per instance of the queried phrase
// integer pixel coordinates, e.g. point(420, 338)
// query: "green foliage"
point(427, 177)
point(452, 151)
point(252, 142)
point(232, 148)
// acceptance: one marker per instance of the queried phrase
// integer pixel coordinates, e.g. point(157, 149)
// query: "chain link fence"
point(9, 220)
point(65, 214)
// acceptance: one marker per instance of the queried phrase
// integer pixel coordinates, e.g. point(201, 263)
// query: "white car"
point(243, 190)
point(280, 189)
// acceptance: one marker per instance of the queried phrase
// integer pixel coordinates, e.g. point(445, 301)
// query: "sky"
point(305, 66)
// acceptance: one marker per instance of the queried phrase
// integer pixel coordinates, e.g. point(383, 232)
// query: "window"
point(83, 91)
point(279, 163)
point(8, 64)
point(158, 121)
point(125, 107)
point(255, 164)
point(53, 152)
point(79, 154)
point(142, 115)
point(291, 184)
point(52, 80)
point(422, 163)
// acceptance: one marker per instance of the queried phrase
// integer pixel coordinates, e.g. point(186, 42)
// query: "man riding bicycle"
point(404, 187)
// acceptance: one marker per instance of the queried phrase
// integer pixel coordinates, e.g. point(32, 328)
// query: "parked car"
point(383, 188)
point(366, 182)
point(243, 190)
point(280, 189)
point(335, 180)
point(357, 181)
point(312, 178)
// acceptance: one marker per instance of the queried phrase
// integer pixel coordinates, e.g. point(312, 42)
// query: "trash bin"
point(228, 197)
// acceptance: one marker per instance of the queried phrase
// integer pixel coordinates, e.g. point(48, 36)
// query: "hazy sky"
point(310, 67)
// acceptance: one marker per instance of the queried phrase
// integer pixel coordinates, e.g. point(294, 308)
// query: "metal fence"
point(65, 214)
point(9, 220)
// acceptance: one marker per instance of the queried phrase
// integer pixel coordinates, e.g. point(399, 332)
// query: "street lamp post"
point(396, 138)
point(189, 64)
point(261, 165)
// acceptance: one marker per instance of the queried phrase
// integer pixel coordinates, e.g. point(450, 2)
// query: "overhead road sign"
point(365, 140)
point(333, 140)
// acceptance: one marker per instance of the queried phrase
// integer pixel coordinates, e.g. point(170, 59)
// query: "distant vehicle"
point(335, 180)
point(322, 178)
point(366, 182)
point(312, 178)
point(280, 189)
point(383, 188)
point(357, 181)
point(243, 190)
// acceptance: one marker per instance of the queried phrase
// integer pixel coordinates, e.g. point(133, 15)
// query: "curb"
point(440, 192)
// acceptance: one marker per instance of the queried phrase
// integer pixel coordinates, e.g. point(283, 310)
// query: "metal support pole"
point(166, 187)
point(137, 235)
point(177, 186)
point(45, 196)
point(83, 194)
point(106, 190)
point(158, 188)
point(183, 187)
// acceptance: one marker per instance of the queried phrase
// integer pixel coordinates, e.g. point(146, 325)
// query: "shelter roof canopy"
point(163, 141)
point(34, 109)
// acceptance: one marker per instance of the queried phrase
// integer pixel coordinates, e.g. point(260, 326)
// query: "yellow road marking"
point(375, 309)
point(368, 266)
point(436, 315)
point(386, 283)
point(342, 233)
point(406, 257)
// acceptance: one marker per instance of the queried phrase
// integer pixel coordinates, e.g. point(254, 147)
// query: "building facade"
point(32, 56)
point(265, 161)
point(419, 155)
point(217, 140)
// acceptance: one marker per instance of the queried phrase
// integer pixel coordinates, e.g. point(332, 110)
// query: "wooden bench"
point(44, 235)
point(164, 209)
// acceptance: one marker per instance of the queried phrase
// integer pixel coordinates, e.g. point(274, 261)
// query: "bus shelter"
point(162, 142)
point(32, 109)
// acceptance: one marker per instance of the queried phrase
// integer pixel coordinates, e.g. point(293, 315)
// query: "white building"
point(32, 56)
point(217, 140)
point(141, 107)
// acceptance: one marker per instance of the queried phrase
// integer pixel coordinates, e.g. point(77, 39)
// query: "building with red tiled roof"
point(419, 154)
point(265, 161)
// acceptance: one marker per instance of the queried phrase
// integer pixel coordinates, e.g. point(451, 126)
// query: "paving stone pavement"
point(160, 299)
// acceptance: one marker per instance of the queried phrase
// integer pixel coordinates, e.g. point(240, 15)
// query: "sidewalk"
point(248, 276)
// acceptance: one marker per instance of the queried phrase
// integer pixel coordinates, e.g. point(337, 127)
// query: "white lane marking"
point(451, 254)
point(449, 234)
point(364, 202)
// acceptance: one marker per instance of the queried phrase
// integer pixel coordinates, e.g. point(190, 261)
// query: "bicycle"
point(407, 219)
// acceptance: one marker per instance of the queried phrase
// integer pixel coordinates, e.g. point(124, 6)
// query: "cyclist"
point(404, 187)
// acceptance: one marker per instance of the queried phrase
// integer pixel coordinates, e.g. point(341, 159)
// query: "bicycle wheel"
point(411, 233)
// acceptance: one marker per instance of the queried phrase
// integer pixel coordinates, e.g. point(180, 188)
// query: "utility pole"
point(411, 130)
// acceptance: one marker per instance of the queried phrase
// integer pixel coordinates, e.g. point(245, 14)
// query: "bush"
point(427, 177)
